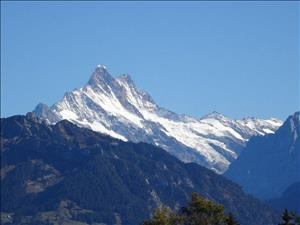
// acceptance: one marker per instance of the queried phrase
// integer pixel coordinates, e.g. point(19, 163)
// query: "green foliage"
point(199, 211)
point(203, 212)
point(290, 218)
point(164, 216)
point(230, 220)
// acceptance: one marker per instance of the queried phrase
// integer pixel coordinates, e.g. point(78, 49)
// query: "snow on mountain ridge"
point(115, 106)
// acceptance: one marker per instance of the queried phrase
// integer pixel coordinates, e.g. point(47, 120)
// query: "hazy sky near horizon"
point(238, 58)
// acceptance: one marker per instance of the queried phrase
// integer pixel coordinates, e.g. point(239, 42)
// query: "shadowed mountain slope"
point(65, 173)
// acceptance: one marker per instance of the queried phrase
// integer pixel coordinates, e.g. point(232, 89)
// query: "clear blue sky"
point(237, 58)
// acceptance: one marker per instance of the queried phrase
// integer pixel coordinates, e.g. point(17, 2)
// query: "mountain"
point(270, 163)
point(64, 174)
point(115, 106)
point(290, 199)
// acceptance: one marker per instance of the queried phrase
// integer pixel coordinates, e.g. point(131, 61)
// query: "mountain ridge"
point(115, 106)
point(63, 172)
point(270, 163)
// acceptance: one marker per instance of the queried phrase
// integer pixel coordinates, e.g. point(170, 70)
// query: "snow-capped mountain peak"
point(101, 66)
point(214, 115)
point(100, 76)
point(115, 106)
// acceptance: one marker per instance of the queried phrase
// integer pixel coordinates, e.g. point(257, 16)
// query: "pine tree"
point(201, 211)
point(230, 220)
point(287, 218)
point(295, 218)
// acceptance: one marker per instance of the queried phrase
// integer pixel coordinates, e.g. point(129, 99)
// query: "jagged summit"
point(126, 78)
point(291, 129)
point(116, 107)
point(100, 76)
point(214, 114)
point(291, 125)
point(99, 66)
point(293, 121)
point(41, 109)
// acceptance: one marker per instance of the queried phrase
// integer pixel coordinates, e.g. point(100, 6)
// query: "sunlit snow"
point(122, 111)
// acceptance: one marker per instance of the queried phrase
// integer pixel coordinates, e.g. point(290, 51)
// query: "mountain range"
point(64, 174)
point(115, 106)
point(270, 164)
